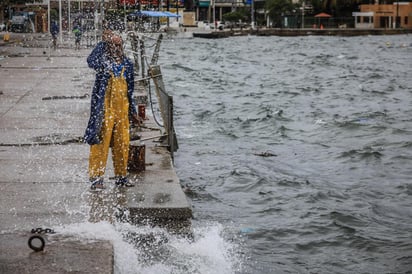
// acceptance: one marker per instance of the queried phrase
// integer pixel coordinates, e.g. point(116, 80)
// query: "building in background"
point(395, 15)
point(76, 11)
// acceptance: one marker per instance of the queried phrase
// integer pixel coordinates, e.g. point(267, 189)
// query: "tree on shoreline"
point(277, 8)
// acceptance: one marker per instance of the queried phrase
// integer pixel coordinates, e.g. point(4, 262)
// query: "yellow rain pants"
point(115, 130)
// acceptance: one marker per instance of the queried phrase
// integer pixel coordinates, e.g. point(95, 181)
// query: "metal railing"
point(166, 107)
point(165, 101)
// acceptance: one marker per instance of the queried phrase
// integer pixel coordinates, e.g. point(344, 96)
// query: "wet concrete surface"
point(61, 255)
point(44, 108)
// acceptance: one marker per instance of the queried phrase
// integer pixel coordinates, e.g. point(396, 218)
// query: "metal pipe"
point(214, 15)
point(69, 31)
point(303, 14)
point(60, 22)
point(397, 15)
point(252, 16)
point(48, 16)
point(154, 137)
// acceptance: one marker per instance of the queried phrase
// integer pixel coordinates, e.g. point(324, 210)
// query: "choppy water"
point(333, 114)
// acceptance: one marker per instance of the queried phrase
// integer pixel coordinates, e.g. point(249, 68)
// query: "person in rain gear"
point(112, 105)
point(78, 36)
point(54, 30)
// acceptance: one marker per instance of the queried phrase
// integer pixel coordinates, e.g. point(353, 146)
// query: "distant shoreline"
point(43, 39)
point(300, 32)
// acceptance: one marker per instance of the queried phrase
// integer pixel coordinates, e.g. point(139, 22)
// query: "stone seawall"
point(299, 32)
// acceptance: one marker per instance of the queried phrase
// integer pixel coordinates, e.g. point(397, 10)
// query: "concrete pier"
point(44, 108)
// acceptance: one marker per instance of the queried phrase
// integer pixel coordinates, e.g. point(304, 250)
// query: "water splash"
point(145, 249)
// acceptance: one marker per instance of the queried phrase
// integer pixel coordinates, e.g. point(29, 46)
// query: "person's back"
point(77, 32)
point(78, 36)
point(54, 29)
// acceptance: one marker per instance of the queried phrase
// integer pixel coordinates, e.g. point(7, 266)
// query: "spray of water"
point(146, 249)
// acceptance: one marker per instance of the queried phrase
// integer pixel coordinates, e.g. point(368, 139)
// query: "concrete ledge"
point(213, 34)
point(158, 193)
point(158, 201)
point(60, 255)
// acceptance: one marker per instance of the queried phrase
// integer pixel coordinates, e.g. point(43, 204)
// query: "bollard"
point(6, 37)
point(137, 157)
point(142, 111)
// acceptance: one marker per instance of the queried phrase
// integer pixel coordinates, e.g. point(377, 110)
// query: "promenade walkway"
point(44, 108)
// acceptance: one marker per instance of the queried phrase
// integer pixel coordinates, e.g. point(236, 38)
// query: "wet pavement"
point(44, 108)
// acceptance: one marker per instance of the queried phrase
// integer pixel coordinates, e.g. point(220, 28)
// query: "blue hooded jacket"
point(101, 63)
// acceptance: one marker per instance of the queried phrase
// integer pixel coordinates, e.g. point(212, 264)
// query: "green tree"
point(277, 8)
point(236, 16)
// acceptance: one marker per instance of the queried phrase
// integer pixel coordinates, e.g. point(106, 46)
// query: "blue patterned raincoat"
point(101, 63)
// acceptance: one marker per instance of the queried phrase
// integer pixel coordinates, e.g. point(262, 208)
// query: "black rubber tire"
point(35, 248)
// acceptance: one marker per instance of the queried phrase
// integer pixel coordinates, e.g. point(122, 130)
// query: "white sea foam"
point(144, 249)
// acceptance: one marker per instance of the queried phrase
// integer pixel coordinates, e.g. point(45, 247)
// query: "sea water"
point(295, 153)
point(299, 148)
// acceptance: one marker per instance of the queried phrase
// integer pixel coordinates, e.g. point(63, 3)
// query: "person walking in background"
point(54, 30)
point(111, 106)
point(77, 36)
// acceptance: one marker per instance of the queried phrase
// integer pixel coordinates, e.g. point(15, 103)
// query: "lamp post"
point(167, 9)
point(303, 14)
point(177, 10)
point(397, 15)
point(69, 18)
point(95, 21)
point(48, 15)
point(124, 13)
point(252, 15)
point(60, 22)
point(214, 15)
point(101, 10)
